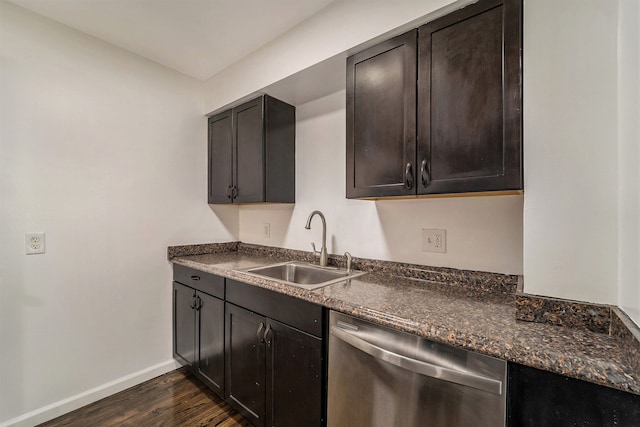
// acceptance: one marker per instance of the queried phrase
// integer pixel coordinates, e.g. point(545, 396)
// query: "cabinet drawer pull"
point(195, 278)
point(408, 177)
point(424, 173)
point(259, 333)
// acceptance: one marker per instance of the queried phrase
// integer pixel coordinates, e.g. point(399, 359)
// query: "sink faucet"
point(323, 249)
point(349, 258)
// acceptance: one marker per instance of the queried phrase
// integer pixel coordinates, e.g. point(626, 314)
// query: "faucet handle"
point(349, 258)
point(315, 252)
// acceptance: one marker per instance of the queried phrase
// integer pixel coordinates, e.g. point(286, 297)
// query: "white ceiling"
point(196, 37)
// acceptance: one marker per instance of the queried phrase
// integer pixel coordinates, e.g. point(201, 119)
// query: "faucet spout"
point(323, 249)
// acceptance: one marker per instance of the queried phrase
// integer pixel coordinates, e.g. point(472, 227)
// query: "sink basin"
point(307, 276)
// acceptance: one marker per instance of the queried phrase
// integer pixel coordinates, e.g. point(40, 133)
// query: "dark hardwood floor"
point(173, 399)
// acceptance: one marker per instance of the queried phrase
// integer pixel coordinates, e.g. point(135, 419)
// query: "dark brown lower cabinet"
point(274, 371)
point(246, 363)
point(210, 341)
point(540, 398)
point(184, 324)
point(294, 377)
point(198, 334)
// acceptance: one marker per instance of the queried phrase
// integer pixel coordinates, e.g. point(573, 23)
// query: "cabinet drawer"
point(303, 315)
point(205, 282)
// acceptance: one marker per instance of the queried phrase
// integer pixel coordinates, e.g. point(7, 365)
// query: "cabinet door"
point(211, 342)
point(220, 158)
point(280, 151)
point(381, 114)
point(184, 324)
point(539, 398)
point(469, 100)
point(249, 151)
point(245, 363)
point(294, 377)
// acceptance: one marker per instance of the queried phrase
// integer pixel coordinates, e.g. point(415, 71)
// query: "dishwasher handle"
point(428, 369)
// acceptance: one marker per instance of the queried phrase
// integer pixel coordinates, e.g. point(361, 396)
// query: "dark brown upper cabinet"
point(465, 134)
point(381, 119)
point(469, 100)
point(252, 153)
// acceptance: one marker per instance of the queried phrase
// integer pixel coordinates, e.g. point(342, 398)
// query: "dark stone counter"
point(472, 310)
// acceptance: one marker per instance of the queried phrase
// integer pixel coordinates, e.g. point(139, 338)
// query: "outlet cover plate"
point(434, 240)
point(34, 243)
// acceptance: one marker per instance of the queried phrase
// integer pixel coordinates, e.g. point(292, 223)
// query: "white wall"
point(629, 157)
point(337, 28)
point(570, 149)
point(103, 151)
point(483, 233)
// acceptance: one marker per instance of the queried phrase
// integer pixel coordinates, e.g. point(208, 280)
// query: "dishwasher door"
point(382, 377)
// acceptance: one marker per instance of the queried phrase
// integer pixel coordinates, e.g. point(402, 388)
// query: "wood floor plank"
point(173, 399)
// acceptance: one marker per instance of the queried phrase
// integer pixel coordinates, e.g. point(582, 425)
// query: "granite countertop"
point(467, 317)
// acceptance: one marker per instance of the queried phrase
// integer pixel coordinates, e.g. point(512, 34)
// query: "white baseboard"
point(72, 403)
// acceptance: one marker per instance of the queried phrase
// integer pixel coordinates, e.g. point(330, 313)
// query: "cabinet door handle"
point(228, 192)
point(267, 336)
point(198, 303)
point(424, 173)
point(408, 176)
point(192, 303)
point(195, 278)
point(259, 333)
point(234, 192)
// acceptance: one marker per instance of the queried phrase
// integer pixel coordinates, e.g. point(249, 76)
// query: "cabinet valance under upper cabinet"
point(252, 153)
point(439, 109)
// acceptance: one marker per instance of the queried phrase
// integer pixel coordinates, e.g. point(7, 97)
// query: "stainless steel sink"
point(304, 275)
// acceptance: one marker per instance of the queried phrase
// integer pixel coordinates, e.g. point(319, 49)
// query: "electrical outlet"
point(34, 243)
point(434, 240)
point(266, 230)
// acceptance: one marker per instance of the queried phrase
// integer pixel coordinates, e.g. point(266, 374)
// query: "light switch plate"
point(34, 243)
point(434, 240)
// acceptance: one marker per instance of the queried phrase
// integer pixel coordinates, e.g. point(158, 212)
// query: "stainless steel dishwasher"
point(383, 377)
